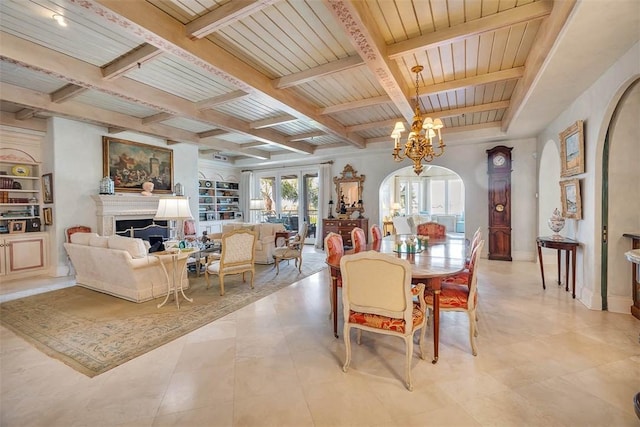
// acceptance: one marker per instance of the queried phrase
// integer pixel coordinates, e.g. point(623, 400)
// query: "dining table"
point(429, 265)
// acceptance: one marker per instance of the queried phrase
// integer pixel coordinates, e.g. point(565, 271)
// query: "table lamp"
point(330, 209)
point(174, 209)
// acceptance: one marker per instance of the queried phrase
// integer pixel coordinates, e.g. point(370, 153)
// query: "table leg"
point(573, 269)
point(566, 270)
point(541, 266)
point(559, 266)
point(436, 324)
point(166, 298)
point(334, 301)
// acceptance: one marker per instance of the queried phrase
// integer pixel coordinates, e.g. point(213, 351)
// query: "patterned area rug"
point(93, 332)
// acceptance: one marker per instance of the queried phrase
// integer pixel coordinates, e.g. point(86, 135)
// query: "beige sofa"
point(119, 266)
point(266, 243)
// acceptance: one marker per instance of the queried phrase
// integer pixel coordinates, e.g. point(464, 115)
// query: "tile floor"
point(543, 359)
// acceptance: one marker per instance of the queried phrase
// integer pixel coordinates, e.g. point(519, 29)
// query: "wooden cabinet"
point(499, 159)
point(23, 255)
point(343, 227)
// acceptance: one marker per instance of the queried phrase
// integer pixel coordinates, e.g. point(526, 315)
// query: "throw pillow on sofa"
point(135, 247)
point(82, 238)
point(99, 241)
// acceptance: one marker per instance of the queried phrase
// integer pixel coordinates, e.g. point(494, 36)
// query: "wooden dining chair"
point(333, 247)
point(377, 296)
point(462, 297)
point(376, 233)
point(358, 239)
point(432, 229)
point(293, 249)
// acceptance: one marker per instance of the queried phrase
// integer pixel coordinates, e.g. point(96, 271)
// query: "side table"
point(560, 244)
point(179, 264)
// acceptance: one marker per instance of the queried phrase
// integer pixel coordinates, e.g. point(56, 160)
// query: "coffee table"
point(199, 255)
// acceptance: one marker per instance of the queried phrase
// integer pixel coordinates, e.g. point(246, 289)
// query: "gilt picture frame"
point(572, 150)
point(47, 215)
point(47, 188)
point(17, 226)
point(130, 164)
point(571, 200)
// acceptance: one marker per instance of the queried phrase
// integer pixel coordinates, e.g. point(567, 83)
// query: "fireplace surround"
point(119, 207)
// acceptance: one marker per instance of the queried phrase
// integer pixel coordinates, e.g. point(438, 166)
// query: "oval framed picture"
point(21, 170)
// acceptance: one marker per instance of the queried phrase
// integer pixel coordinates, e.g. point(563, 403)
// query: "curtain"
point(324, 195)
point(245, 194)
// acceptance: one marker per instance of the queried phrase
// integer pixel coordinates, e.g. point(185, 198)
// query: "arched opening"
point(436, 195)
point(548, 186)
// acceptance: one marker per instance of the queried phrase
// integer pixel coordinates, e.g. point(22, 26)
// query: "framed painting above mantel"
point(131, 164)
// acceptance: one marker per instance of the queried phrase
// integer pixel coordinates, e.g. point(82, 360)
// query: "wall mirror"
point(349, 191)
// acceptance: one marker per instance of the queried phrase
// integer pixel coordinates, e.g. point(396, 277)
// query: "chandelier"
point(419, 145)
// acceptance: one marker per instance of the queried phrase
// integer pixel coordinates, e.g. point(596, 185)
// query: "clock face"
point(499, 160)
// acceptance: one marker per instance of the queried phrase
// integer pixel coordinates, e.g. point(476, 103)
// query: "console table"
point(635, 280)
point(569, 246)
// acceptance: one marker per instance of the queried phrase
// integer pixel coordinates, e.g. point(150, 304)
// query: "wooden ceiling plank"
point(305, 76)
point(67, 92)
point(353, 105)
point(160, 117)
point(143, 20)
point(528, 12)
point(224, 15)
point(9, 119)
point(130, 60)
point(548, 34)
point(273, 121)
point(309, 135)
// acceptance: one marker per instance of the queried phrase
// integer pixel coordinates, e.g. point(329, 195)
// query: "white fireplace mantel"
point(112, 208)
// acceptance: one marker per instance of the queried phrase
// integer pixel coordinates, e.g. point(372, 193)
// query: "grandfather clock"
point(500, 203)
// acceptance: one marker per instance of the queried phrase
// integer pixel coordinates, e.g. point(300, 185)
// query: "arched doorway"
point(437, 194)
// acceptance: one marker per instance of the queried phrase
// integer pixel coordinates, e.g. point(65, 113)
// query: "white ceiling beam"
point(273, 121)
point(26, 114)
point(67, 92)
point(353, 105)
point(498, 76)
point(38, 58)
point(160, 117)
point(214, 132)
point(9, 119)
point(359, 27)
point(130, 60)
point(114, 130)
point(516, 15)
point(303, 136)
point(445, 132)
point(305, 76)
point(143, 20)
point(254, 144)
point(222, 145)
point(222, 99)
point(72, 109)
point(224, 15)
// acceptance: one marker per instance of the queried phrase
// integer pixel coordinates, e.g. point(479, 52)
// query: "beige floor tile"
point(218, 413)
point(283, 409)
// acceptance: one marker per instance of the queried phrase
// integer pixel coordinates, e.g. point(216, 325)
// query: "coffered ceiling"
point(261, 79)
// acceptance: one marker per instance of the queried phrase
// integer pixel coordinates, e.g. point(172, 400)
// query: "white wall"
point(76, 154)
point(595, 106)
point(470, 162)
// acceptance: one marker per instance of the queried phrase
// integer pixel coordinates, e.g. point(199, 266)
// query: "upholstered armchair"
point(377, 296)
point(293, 249)
point(358, 239)
point(432, 229)
point(238, 256)
point(462, 296)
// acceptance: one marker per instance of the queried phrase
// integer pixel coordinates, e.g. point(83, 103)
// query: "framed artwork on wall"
point(131, 164)
point(47, 188)
point(572, 150)
point(571, 201)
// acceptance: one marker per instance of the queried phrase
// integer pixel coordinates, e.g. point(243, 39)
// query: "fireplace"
point(111, 209)
point(142, 228)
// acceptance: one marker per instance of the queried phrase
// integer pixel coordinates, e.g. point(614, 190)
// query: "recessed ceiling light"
point(60, 20)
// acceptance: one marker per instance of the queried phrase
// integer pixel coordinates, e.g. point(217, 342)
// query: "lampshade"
point(256, 204)
point(173, 208)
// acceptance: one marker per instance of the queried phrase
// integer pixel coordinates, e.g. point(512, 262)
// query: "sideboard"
point(343, 227)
